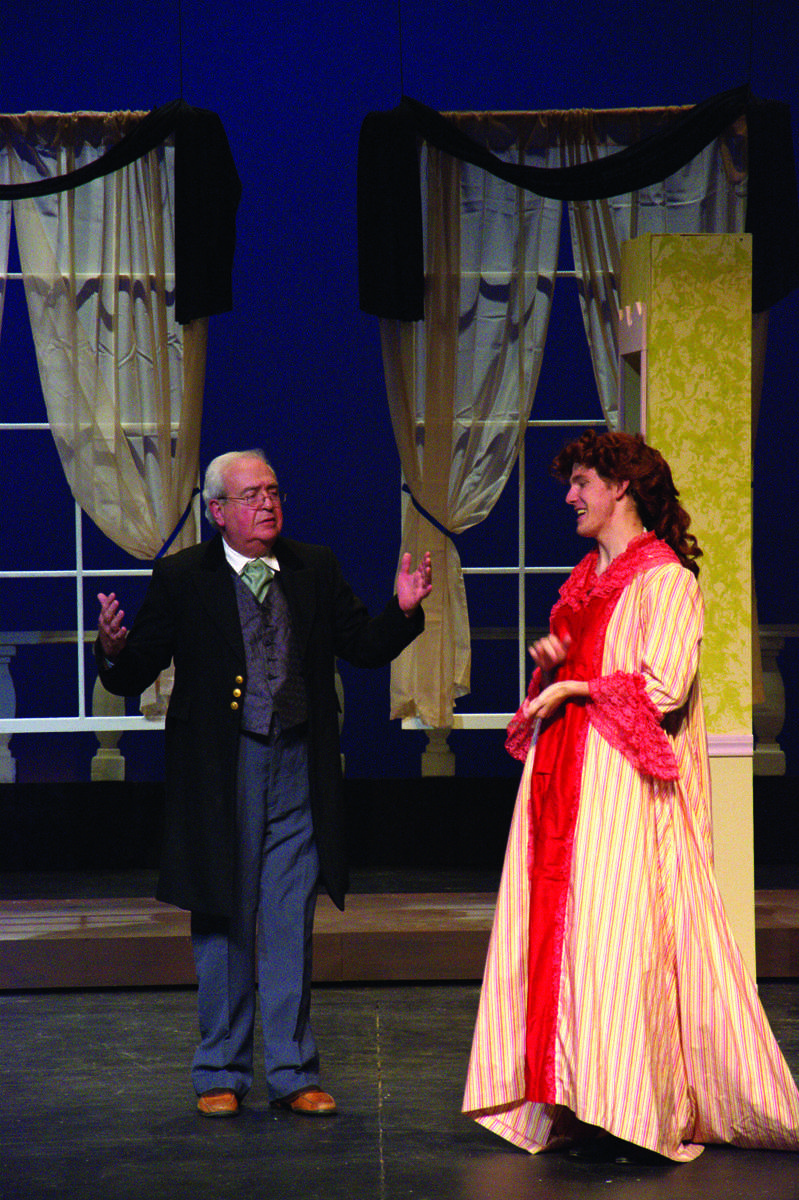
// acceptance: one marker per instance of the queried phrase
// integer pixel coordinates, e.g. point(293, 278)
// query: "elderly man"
point(254, 623)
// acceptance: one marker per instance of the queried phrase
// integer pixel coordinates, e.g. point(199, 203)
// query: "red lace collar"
point(641, 554)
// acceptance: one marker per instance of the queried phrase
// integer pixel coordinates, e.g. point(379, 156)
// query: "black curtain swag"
point(207, 193)
point(390, 251)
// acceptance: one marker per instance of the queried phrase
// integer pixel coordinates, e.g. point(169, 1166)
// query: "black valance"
point(391, 266)
point(207, 193)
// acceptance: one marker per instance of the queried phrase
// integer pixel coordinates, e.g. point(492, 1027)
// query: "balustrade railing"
point(107, 719)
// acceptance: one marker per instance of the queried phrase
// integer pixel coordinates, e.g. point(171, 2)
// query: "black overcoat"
point(190, 614)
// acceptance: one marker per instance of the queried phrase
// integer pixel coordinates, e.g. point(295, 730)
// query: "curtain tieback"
point(179, 525)
point(429, 516)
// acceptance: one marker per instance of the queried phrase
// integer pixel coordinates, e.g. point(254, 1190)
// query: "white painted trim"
point(464, 721)
point(730, 745)
point(77, 724)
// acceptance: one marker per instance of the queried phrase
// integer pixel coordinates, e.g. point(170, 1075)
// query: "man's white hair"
point(214, 487)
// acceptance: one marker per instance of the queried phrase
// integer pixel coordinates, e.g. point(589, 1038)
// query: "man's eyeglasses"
point(255, 498)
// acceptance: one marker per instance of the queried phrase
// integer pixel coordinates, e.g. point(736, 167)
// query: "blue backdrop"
point(296, 366)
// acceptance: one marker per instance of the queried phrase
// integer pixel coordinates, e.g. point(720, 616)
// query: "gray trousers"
point(266, 944)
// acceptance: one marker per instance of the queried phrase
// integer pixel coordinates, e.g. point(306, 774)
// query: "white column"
point(108, 763)
point(437, 758)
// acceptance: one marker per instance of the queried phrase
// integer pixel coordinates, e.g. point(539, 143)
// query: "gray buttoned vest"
point(274, 676)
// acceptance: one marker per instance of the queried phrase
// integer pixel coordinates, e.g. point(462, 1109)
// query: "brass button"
point(239, 679)
point(234, 705)
point(237, 692)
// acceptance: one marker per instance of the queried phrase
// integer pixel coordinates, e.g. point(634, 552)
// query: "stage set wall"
point(693, 293)
point(296, 366)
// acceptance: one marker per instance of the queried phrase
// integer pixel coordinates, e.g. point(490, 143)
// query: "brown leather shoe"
point(310, 1102)
point(219, 1102)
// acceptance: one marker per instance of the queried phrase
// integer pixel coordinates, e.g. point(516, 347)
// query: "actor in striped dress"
point(615, 1001)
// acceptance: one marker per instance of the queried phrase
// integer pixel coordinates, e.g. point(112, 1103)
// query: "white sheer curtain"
point(122, 381)
point(707, 196)
point(461, 384)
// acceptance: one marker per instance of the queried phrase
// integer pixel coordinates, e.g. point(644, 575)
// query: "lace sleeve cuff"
point(520, 730)
point(622, 712)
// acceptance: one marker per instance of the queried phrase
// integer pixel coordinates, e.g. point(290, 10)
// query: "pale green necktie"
point(258, 575)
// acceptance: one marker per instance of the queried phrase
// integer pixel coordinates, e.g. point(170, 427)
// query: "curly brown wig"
point(620, 457)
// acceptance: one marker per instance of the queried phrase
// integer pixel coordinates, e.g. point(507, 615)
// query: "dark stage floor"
point(95, 1102)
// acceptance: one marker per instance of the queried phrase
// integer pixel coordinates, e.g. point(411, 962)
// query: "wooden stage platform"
point(137, 942)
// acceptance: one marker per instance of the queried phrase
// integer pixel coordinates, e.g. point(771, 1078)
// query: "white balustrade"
point(108, 719)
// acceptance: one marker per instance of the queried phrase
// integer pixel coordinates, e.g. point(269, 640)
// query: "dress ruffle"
point(642, 554)
point(520, 730)
point(622, 712)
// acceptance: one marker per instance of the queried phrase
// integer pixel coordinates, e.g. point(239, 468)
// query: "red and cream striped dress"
point(613, 986)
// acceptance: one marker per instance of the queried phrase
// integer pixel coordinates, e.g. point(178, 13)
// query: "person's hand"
point(549, 652)
point(414, 586)
point(550, 699)
point(112, 632)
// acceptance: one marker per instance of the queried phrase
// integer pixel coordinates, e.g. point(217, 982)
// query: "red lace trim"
point(520, 730)
point(539, 1064)
point(642, 553)
point(624, 715)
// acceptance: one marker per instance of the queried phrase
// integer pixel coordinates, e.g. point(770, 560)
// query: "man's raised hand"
point(112, 632)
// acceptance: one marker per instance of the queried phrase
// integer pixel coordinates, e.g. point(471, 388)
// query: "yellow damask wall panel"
point(697, 292)
point(696, 371)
